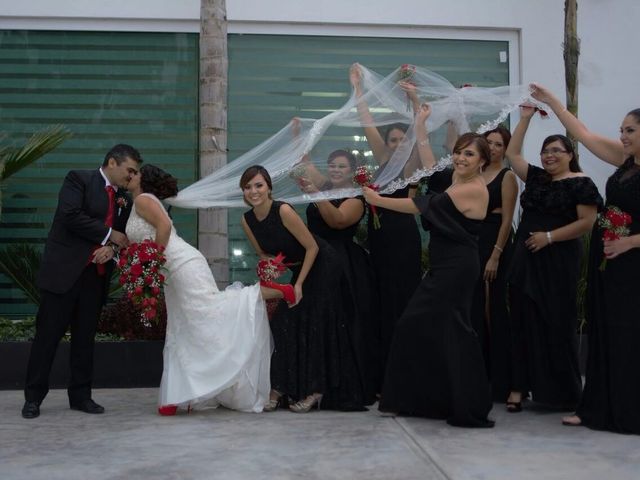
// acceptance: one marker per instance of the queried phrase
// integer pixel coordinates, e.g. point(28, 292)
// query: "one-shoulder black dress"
point(435, 367)
point(611, 397)
point(313, 352)
point(543, 291)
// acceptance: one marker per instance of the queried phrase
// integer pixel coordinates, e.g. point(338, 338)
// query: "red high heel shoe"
point(167, 410)
point(287, 290)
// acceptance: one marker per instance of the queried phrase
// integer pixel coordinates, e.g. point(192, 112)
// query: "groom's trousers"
point(79, 309)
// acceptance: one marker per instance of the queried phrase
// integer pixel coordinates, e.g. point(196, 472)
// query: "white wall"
point(608, 63)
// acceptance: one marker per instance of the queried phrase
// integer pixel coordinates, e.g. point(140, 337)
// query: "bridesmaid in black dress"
point(611, 397)
point(313, 360)
point(396, 246)
point(559, 206)
point(336, 221)
point(435, 367)
point(490, 315)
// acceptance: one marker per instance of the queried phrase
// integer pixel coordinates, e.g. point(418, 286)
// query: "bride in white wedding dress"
point(218, 344)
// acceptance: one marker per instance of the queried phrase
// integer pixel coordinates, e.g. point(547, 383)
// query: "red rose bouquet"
point(269, 269)
point(140, 276)
point(613, 223)
point(362, 177)
point(405, 74)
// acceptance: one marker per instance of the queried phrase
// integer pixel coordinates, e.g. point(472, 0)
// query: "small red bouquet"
point(614, 223)
point(362, 177)
point(269, 269)
point(140, 276)
point(405, 74)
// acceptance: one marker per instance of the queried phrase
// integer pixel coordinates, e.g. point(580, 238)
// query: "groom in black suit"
point(74, 276)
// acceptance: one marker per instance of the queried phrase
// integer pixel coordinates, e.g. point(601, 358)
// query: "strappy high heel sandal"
point(304, 406)
point(273, 403)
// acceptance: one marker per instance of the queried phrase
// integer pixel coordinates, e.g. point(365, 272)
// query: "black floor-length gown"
point(611, 397)
point(494, 330)
point(395, 251)
point(489, 314)
point(435, 367)
point(358, 296)
point(543, 290)
point(313, 352)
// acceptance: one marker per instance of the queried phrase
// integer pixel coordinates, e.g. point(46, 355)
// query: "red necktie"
point(108, 221)
point(111, 192)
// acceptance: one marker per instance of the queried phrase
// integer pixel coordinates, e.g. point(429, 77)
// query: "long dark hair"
point(574, 166)
point(395, 126)
point(479, 142)
point(158, 182)
point(503, 132)
point(251, 172)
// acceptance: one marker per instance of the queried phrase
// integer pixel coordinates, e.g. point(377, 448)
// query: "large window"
point(107, 88)
point(274, 78)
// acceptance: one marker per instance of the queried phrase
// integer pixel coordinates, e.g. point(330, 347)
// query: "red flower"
point(362, 177)
point(136, 269)
point(614, 226)
point(140, 277)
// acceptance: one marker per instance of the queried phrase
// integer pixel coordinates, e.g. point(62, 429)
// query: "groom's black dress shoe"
point(30, 409)
point(87, 406)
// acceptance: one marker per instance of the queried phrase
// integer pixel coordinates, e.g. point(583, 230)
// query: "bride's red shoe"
point(287, 290)
point(167, 410)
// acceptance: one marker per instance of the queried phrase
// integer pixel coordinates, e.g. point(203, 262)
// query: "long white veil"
point(308, 141)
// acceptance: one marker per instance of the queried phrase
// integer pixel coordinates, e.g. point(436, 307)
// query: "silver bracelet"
point(424, 143)
point(498, 248)
point(549, 238)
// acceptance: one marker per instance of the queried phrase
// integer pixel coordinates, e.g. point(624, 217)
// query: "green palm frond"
point(16, 158)
point(20, 262)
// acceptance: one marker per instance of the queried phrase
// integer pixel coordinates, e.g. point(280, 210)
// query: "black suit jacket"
point(78, 227)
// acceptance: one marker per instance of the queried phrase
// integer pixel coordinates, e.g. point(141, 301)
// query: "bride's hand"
point(297, 289)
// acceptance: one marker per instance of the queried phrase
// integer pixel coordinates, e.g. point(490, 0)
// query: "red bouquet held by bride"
point(362, 177)
point(140, 267)
point(613, 223)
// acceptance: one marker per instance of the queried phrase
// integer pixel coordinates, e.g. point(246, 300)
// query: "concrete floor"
point(131, 441)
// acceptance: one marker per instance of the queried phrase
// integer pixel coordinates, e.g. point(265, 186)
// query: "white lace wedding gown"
point(218, 344)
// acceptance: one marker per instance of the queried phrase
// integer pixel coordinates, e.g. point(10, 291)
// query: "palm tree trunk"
point(213, 233)
point(571, 54)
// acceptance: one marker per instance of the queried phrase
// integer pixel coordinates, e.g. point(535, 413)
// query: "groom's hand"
point(119, 238)
point(103, 254)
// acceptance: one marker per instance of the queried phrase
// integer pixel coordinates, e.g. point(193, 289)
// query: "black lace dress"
point(313, 351)
point(395, 251)
point(358, 296)
point(611, 397)
point(543, 290)
point(490, 315)
point(435, 367)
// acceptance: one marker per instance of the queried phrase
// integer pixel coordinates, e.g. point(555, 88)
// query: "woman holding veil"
point(217, 346)
point(336, 221)
point(435, 367)
point(396, 245)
